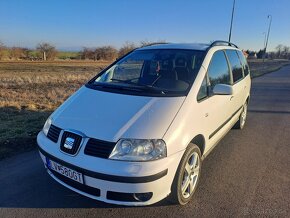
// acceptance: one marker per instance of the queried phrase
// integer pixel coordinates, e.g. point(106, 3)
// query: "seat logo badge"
point(69, 142)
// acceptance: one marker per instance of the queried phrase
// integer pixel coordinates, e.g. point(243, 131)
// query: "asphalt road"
point(246, 174)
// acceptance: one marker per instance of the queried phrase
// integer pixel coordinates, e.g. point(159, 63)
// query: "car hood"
point(111, 116)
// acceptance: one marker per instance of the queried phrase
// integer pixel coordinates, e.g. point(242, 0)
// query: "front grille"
point(67, 145)
point(99, 148)
point(53, 133)
point(77, 185)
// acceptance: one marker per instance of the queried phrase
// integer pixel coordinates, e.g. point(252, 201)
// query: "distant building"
point(252, 55)
point(245, 54)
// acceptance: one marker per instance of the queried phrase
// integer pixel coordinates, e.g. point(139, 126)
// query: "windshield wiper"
point(132, 87)
point(139, 86)
point(118, 87)
point(128, 81)
point(154, 89)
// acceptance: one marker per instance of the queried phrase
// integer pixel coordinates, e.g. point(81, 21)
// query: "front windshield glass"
point(159, 71)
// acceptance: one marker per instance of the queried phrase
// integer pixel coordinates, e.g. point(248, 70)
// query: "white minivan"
point(138, 131)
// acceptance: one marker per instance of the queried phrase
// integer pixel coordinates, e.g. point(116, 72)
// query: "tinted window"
point(236, 66)
point(244, 63)
point(203, 90)
point(218, 70)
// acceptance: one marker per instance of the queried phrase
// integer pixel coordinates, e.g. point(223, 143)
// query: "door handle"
point(206, 114)
point(231, 97)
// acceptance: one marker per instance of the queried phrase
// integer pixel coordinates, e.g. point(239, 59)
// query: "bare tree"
point(2, 47)
point(286, 52)
point(48, 51)
point(100, 53)
point(18, 53)
point(87, 53)
point(127, 47)
point(279, 50)
point(106, 53)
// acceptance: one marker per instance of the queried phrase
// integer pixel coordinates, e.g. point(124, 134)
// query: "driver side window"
point(218, 70)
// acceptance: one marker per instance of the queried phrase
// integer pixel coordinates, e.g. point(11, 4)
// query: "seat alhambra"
point(138, 131)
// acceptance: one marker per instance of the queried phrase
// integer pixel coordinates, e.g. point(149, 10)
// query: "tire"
point(185, 183)
point(242, 119)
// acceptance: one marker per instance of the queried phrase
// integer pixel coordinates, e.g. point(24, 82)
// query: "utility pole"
point(269, 28)
point(233, 11)
point(265, 38)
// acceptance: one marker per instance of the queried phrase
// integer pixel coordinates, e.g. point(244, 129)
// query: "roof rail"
point(154, 43)
point(221, 42)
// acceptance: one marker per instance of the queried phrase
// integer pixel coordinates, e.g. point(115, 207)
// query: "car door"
point(216, 108)
point(239, 85)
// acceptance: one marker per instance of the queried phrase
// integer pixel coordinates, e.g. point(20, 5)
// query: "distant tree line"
point(111, 53)
point(45, 51)
point(281, 52)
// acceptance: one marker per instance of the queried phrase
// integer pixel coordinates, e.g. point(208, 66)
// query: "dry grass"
point(42, 86)
point(258, 68)
point(30, 91)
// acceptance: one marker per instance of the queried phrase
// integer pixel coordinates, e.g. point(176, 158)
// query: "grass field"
point(30, 91)
point(259, 68)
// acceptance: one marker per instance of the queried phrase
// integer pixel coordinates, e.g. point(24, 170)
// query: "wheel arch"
point(199, 140)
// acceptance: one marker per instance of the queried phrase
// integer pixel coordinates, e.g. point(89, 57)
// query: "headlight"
point(139, 150)
point(47, 126)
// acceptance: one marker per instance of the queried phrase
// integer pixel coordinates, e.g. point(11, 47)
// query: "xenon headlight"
point(47, 126)
point(139, 150)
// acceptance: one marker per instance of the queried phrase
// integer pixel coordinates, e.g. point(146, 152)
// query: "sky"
point(73, 24)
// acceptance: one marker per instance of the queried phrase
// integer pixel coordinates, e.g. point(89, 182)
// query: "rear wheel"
point(187, 176)
point(242, 119)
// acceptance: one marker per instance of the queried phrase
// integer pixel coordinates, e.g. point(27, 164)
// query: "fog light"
point(143, 196)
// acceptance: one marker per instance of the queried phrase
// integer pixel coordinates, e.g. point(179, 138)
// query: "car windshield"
point(161, 72)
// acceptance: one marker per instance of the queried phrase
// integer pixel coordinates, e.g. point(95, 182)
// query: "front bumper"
point(113, 181)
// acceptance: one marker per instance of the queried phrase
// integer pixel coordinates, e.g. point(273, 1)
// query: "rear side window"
point(236, 65)
point(218, 71)
point(244, 63)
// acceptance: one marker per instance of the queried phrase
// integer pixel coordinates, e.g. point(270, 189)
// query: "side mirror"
point(222, 89)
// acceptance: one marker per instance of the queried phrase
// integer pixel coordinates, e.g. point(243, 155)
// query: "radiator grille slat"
point(99, 148)
point(53, 133)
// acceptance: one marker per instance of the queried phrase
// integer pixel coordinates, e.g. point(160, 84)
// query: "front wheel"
point(187, 176)
point(242, 119)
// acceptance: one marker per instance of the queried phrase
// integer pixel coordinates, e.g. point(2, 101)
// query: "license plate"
point(65, 171)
